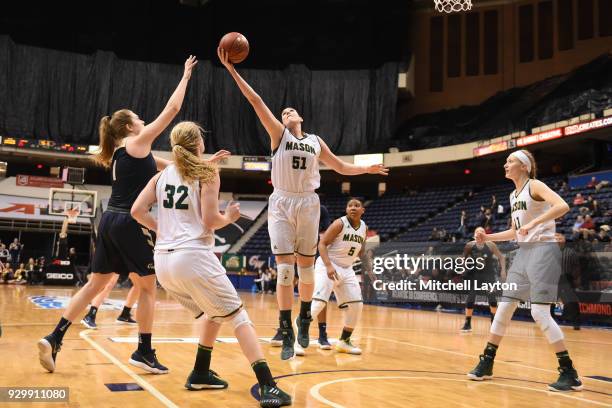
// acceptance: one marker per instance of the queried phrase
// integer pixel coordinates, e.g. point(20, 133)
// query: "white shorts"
point(293, 223)
point(198, 281)
point(346, 288)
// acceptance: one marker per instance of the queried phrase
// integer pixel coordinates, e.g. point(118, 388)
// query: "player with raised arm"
point(186, 266)
point(339, 248)
point(123, 246)
point(293, 210)
point(536, 269)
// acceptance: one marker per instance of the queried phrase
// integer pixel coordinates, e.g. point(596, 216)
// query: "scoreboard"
point(48, 145)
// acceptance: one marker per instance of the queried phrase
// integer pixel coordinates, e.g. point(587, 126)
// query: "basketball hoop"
point(453, 6)
point(72, 215)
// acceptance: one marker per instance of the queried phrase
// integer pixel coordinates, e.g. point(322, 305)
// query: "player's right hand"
point(232, 211)
point(331, 272)
point(224, 58)
point(189, 64)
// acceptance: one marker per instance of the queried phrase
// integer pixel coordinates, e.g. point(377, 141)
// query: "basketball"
point(236, 45)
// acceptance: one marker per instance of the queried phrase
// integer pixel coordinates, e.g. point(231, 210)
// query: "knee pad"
point(353, 313)
point(502, 317)
point(240, 318)
point(316, 307)
point(285, 275)
point(306, 274)
point(550, 328)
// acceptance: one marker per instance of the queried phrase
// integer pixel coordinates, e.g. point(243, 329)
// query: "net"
point(453, 6)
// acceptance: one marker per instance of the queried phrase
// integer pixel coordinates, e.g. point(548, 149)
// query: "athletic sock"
point(144, 343)
point(468, 319)
point(61, 329)
point(202, 363)
point(285, 319)
point(322, 329)
point(263, 374)
point(564, 359)
point(305, 310)
point(490, 350)
point(126, 312)
point(92, 312)
point(346, 335)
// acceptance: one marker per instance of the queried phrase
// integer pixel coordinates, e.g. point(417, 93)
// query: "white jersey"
point(524, 209)
point(344, 250)
point(179, 214)
point(295, 163)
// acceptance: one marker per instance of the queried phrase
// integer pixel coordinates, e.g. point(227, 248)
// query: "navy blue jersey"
point(130, 175)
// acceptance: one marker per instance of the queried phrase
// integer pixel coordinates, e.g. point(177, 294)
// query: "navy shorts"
point(123, 245)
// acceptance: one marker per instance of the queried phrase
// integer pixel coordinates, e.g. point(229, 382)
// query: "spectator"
point(21, 275)
point(564, 188)
point(595, 209)
point(7, 274)
point(592, 183)
point(493, 202)
point(603, 235)
point(578, 224)
point(4, 253)
point(442, 235)
point(463, 222)
point(487, 222)
point(579, 199)
point(588, 227)
point(435, 235)
point(30, 268)
point(15, 252)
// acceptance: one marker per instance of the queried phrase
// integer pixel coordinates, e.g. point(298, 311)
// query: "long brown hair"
point(534, 167)
point(112, 130)
point(184, 138)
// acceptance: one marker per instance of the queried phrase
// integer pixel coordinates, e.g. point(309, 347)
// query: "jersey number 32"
point(179, 204)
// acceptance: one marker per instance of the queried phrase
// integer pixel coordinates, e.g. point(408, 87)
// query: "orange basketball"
point(236, 45)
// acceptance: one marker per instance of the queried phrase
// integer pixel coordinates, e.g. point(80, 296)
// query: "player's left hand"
point(232, 211)
point(218, 156)
point(378, 169)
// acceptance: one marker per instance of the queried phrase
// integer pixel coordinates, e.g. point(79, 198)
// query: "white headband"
point(522, 157)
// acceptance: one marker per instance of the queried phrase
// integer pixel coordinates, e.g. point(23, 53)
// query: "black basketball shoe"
point(288, 350)
point(303, 325)
point(208, 381)
point(48, 348)
point(568, 381)
point(148, 362)
point(273, 397)
point(484, 369)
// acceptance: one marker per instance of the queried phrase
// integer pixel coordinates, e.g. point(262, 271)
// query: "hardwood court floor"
point(411, 359)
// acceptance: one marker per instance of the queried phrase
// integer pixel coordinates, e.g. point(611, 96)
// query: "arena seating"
point(411, 217)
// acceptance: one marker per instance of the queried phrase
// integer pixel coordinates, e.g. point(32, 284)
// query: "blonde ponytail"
point(184, 138)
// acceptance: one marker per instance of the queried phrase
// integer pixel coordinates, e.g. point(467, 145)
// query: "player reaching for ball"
point(293, 211)
point(536, 268)
point(187, 267)
point(340, 246)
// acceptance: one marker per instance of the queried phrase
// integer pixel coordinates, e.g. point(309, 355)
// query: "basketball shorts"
point(123, 245)
point(346, 287)
point(535, 271)
point(196, 279)
point(293, 223)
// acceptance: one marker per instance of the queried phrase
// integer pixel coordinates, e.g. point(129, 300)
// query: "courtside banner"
point(15, 207)
point(444, 275)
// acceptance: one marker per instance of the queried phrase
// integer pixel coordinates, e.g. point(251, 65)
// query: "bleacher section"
point(412, 217)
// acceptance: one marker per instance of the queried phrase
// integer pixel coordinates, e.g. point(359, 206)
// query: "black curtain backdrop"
point(61, 96)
